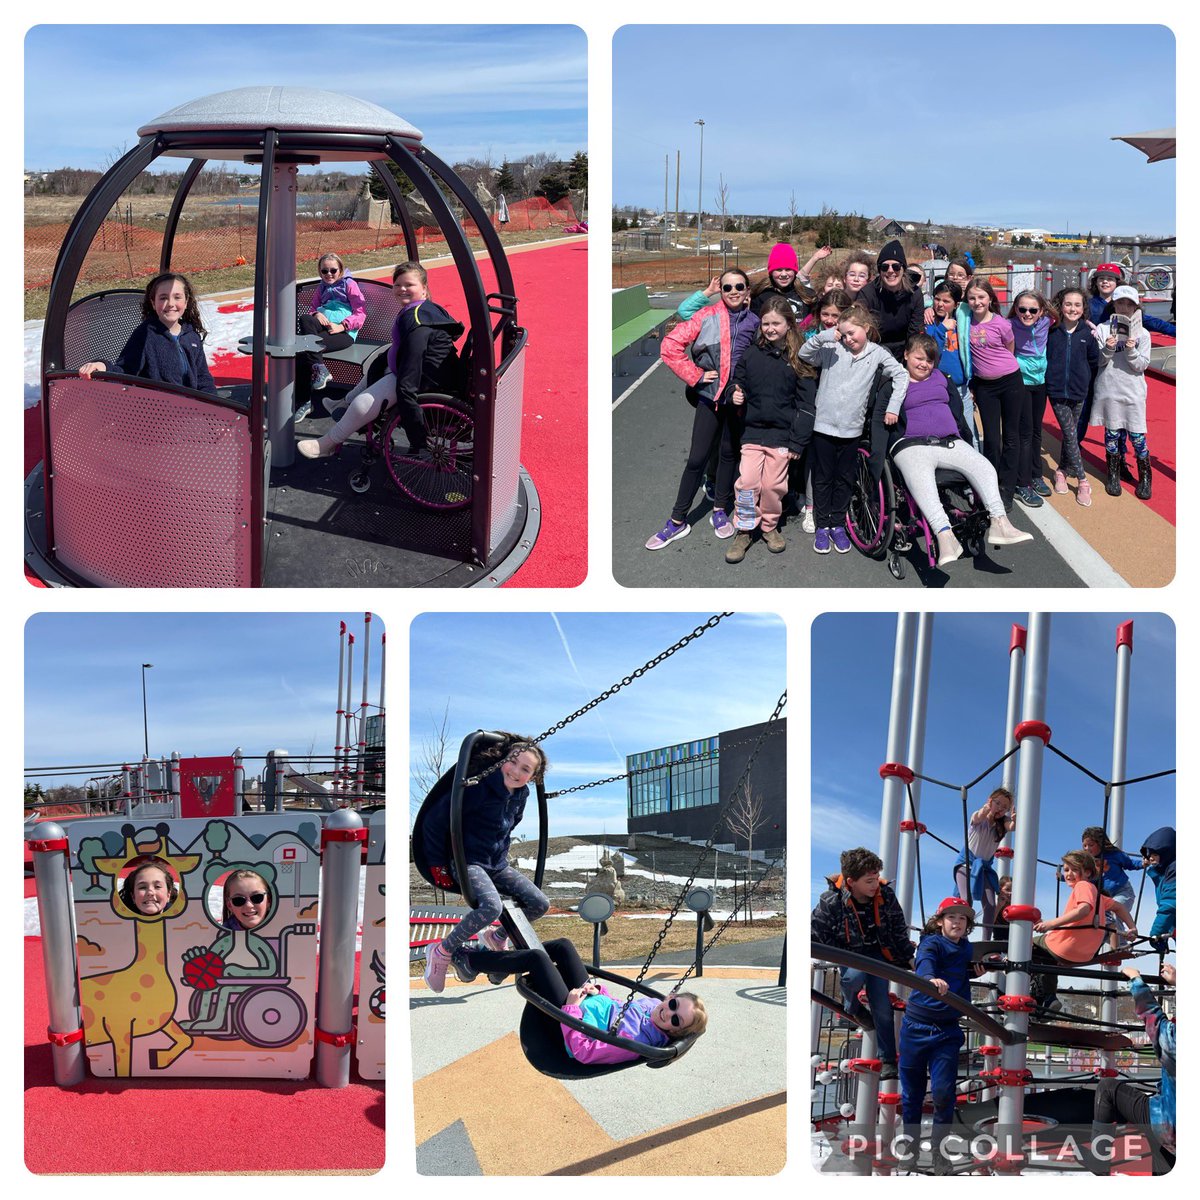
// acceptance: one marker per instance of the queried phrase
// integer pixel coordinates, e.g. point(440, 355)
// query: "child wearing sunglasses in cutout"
point(703, 351)
point(557, 974)
point(1031, 318)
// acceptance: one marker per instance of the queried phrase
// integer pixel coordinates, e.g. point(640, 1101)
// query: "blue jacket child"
point(152, 353)
point(1161, 843)
point(1162, 1038)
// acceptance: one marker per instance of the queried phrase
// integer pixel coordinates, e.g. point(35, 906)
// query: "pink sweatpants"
point(760, 487)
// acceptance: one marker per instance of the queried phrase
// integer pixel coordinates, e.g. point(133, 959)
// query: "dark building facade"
point(668, 796)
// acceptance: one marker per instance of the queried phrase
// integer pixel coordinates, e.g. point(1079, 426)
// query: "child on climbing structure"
point(860, 912)
point(491, 809)
point(930, 1034)
point(1112, 863)
point(988, 828)
point(149, 888)
point(1158, 853)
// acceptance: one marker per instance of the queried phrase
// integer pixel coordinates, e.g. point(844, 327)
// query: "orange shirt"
point(1080, 945)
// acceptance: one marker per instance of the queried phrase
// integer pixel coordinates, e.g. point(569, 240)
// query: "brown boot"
point(739, 546)
point(775, 542)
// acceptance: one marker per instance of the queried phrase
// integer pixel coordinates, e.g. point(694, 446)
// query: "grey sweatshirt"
point(846, 380)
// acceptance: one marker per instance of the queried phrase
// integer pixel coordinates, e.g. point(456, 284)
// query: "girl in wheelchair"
point(933, 435)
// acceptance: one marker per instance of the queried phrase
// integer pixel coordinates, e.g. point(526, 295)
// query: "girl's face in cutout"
point(957, 274)
point(519, 771)
point(918, 364)
point(830, 315)
point(856, 277)
point(853, 337)
point(170, 302)
point(409, 288)
point(978, 301)
point(1072, 307)
point(248, 900)
point(151, 891)
point(733, 291)
point(1106, 283)
point(773, 326)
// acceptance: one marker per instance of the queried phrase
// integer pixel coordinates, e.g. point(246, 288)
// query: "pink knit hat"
point(783, 258)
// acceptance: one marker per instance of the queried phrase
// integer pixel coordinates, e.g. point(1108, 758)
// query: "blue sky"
point(852, 662)
point(917, 122)
point(510, 90)
point(262, 681)
point(525, 671)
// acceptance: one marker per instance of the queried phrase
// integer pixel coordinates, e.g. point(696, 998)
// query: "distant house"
point(885, 227)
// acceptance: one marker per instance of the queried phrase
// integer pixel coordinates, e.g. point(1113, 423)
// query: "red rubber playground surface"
point(551, 285)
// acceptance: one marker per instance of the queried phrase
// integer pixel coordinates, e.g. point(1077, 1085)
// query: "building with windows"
point(676, 791)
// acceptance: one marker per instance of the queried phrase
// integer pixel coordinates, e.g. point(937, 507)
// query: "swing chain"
point(699, 631)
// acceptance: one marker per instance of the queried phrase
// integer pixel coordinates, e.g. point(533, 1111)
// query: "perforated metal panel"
point(506, 449)
point(149, 489)
point(97, 328)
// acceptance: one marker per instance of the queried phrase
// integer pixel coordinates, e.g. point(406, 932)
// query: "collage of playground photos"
point(309, 311)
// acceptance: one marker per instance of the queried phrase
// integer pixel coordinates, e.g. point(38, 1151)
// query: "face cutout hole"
point(239, 899)
point(148, 886)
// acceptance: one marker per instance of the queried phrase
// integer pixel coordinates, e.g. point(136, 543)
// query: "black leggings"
point(553, 972)
point(1118, 1101)
point(307, 359)
point(1037, 413)
point(834, 461)
point(1000, 403)
point(720, 428)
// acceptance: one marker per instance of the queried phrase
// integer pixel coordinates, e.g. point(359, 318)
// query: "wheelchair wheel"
point(441, 476)
point(897, 566)
point(871, 514)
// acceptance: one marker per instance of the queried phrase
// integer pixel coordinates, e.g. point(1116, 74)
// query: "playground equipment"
point(1009, 1102)
point(145, 484)
point(541, 1021)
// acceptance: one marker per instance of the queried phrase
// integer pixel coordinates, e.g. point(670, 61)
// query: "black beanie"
point(892, 252)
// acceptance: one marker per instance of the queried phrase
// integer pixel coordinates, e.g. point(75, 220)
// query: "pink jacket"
point(707, 335)
point(358, 305)
point(586, 1049)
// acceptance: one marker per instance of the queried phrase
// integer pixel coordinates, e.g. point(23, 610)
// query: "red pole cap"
point(1017, 641)
point(1125, 635)
point(1038, 729)
point(898, 770)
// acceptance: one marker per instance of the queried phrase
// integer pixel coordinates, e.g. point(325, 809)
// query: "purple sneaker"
point(436, 962)
point(841, 539)
point(821, 541)
point(670, 532)
point(721, 523)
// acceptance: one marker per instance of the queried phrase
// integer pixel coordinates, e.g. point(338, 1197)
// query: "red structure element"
point(989, 1051)
point(1007, 1078)
point(897, 770)
point(206, 787)
point(1125, 635)
point(1022, 912)
point(37, 844)
point(335, 1039)
point(1021, 1004)
point(1033, 729)
point(64, 1039)
point(889, 1097)
point(919, 826)
point(1017, 641)
point(1107, 1072)
point(343, 835)
point(859, 1066)
point(1004, 852)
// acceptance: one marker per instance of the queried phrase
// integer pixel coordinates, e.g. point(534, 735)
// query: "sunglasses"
point(733, 287)
point(330, 270)
point(1029, 312)
point(673, 1007)
point(253, 898)
point(889, 267)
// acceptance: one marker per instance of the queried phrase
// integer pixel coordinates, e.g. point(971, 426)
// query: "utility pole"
point(700, 191)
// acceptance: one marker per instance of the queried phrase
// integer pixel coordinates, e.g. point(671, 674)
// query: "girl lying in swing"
point(557, 974)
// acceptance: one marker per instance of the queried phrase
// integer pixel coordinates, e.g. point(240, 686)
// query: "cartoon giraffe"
point(138, 1000)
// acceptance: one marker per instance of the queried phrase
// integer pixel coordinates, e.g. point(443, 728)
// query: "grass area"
point(629, 940)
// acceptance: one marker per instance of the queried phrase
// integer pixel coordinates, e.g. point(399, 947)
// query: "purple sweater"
point(927, 409)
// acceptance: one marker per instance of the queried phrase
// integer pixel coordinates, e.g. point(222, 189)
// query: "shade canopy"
point(1156, 144)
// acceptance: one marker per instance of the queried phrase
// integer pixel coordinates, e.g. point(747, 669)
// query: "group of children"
point(860, 912)
point(782, 377)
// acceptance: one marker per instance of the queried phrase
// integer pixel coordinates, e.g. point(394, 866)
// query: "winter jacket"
point(849, 381)
point(950, 362)
point(601, 1011)
point(422, 354)
point(1072, 360)
point(490, 812)
point(1162, 1037)
point(1029, 346)
point(900, 314)
point(1116, 863)
point(1162, 843)
point(884, 934)
point(798, 301)
point(1120, 395)
point(152, 353)
point(714, 337)
point(779, 409)
point(342, 302)
point(940, 958)
point(1098, 313)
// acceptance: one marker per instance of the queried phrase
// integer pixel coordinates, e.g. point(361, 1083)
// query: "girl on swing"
point(491, 810)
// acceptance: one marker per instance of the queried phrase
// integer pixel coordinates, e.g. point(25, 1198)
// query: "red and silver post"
point(337, 721)
point(361, 759)
point(344, 768)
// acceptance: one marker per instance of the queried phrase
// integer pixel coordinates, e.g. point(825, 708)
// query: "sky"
point(472, 90)
point(887, 131)
point(526, 671)
point(262, 681)
point(852, 658)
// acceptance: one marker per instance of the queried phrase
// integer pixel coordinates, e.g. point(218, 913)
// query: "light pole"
point(700, 191)
point(145, 722)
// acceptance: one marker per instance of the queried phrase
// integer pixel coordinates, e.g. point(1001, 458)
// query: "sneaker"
point(739, 546)
point(1083, 494)
point(710, 491)
point(436, 962)
point(462, 967)
point(494, 939)
point(670, 532)
point(807, 523)
point(334, 405)
point(321, 375)
point(303, 412)
point(1060, 483)
point(721, 523)
point(775, 542)
point(888, 1070)
point(1002, 532)
point(1041, 486)
point(821, 541)
point(949, 548)
point(1028, 497)
point(841, 539)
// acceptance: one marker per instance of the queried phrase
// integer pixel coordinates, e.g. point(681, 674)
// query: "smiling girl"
point(1031, 318)
point(1072, 360)
point(149, 889)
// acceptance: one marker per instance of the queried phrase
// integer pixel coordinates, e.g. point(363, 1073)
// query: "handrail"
point(154, 385)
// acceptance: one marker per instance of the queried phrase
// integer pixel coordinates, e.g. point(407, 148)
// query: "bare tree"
point(429, 759)
point(791, 216)
point(722, 199)
point(747, 814)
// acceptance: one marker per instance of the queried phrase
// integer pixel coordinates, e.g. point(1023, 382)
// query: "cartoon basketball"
point(203, 971)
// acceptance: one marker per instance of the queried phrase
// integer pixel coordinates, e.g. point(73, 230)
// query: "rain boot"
point(1112, 485)
point(1142, 491)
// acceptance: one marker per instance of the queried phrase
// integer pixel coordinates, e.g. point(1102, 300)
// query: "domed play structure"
point(147, 484)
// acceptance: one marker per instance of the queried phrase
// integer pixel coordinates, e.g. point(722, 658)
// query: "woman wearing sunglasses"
point(557, 974)
point(703, 352)
point(897, 305)
point(335, 314)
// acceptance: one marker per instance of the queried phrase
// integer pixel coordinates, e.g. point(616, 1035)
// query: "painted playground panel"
point(372, 1029)
point(178, 994)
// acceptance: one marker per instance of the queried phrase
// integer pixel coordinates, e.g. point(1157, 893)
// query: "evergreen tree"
point(577, 173)
point(505, 182)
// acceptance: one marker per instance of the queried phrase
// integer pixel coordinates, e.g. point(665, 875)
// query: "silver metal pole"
point(176, 790)
point(344, 772)
point(1016, 675)
point(360, 762)
point(1020, 935)
point(281, 311)
point(337, 721)
point(382, 672)
point(51, 875)
point(239, 782)
point(915, 758)
point(700, 192)
point(341, 838)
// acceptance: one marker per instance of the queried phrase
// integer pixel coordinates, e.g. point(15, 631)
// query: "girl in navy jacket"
point(1072, 360)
